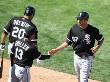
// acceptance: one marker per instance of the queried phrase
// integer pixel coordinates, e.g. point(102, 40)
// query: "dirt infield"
point(39, 74)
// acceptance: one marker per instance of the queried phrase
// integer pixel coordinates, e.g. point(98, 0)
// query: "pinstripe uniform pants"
point(20, 74)
point(82, 67)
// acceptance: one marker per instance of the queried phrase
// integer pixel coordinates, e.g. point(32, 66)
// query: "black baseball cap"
point(29, 11)
point(83, 15)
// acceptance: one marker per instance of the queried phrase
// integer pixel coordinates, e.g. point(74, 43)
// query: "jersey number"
point(19, 53)
point(18, 33)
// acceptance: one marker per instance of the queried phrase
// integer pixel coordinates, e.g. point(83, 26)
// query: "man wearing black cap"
point(82, 38)
point(16, 28)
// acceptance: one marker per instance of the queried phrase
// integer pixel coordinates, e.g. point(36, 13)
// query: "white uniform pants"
point(82, 67)
point(20, 74)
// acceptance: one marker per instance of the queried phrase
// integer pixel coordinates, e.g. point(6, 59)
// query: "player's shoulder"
point(75, 27)
point(16, 17)
point(32, 28)
point(93, 27)
point(32, 24)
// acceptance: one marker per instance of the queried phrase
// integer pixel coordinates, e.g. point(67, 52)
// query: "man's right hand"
point(52, 51)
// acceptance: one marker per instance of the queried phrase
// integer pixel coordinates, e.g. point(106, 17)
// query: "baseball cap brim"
point(80, 18)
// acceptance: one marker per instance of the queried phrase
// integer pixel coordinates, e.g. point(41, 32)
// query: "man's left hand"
point(2, 46)
point(94, 49)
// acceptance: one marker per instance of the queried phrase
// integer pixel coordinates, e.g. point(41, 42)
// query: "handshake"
point(52, 51)
point(41, 58)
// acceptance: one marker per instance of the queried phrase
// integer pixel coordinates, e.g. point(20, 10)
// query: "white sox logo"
point(87, 39)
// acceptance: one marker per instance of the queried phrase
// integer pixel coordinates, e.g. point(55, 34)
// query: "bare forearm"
point(55, 50)
point(3, 37)
point(95, 49)
point(62, 46)
point(99, 43)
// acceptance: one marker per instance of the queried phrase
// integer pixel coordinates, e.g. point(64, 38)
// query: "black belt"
point(83, 55)
point(22, 65)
